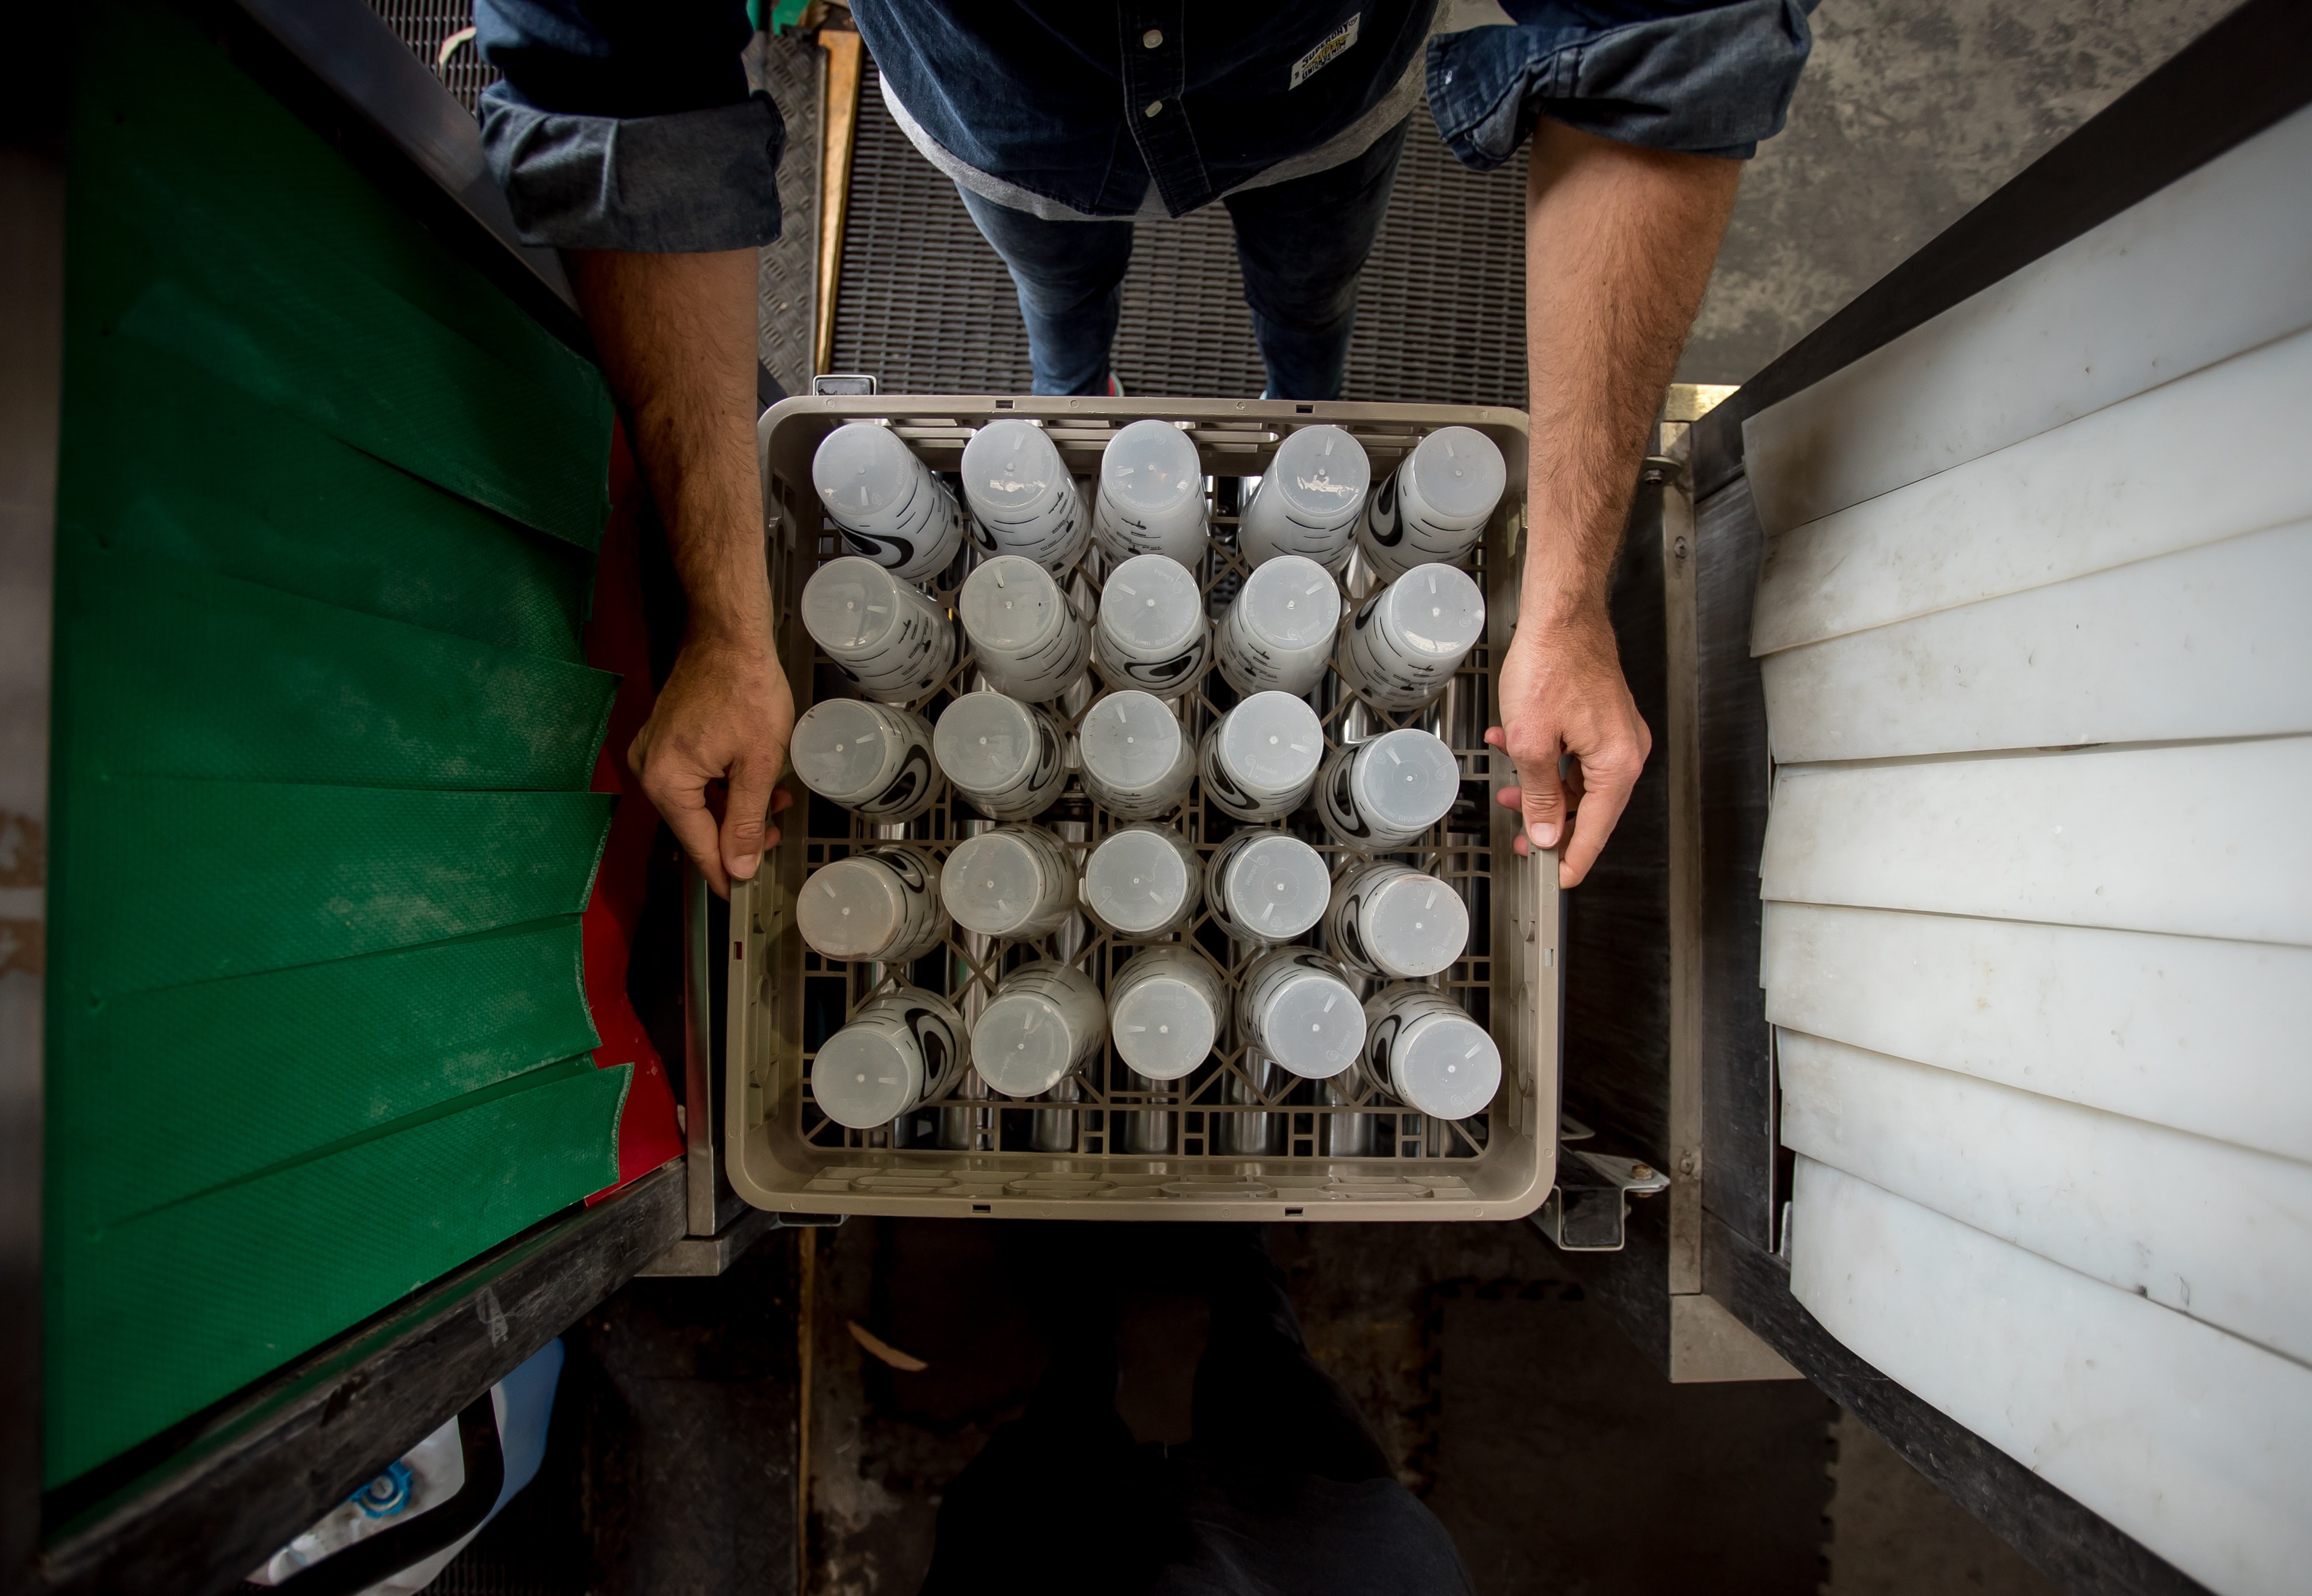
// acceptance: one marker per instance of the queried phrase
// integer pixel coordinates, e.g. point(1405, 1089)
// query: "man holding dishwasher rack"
point(624, 134)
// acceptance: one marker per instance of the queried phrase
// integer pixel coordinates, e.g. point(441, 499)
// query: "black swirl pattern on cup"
point(1337, 797)
point(1382, 521)
point(905, 795)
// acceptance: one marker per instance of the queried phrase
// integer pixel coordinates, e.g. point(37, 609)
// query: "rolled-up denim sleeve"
point(628, 125)
point(1699, 79)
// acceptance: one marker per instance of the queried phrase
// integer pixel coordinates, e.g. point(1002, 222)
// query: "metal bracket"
point(701, 1257)
point(841, 383)
point(1587, 1210)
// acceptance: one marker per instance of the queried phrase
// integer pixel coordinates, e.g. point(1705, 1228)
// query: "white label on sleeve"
point(1322, 57)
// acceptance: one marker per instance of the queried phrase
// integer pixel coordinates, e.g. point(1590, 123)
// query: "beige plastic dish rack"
point(977, 1154)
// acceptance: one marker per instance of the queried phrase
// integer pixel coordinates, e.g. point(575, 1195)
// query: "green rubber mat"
point(225, 482)
point(321, 739)
point(231, 878)
point(312, 1056)
point(308, 290)
point(181, 1306)
point(219, 677)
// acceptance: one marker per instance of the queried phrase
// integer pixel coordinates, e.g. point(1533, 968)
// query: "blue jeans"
point(1302, 245)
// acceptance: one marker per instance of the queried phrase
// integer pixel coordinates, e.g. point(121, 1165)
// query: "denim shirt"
point(628, 125)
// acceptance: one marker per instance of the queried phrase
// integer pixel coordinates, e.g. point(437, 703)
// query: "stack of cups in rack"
point(1433, 508)
point(1152, 632)
point(1006, 753)
point(1309, 500)
point(887, 504)
point(1022, 500)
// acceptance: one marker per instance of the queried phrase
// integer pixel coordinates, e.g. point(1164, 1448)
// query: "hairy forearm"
point(676, 334)
point(1619, 246)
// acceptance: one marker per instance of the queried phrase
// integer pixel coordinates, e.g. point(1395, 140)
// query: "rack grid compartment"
point(1231, 1139)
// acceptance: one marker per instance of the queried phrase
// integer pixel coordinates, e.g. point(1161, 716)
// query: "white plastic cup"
point(880, 904)
point(894, 642)
point(1391, 921)
point(873, 759)
point(1152, 632)
point(1164, 1011)
point(1026, 639)
point(1022, 500)
point(1006, 759)
point(1277, 634)
point(900, 1050)
point(890, 507)
point(1014, 881)
point(1266, 886)
point(1434, 506)
point(1144, 881)
point(1309, 500)
point(1260, 760)
point(1044, 1020)
point(1150, 498)
point(1426, 1052)
point(1405, 642)
point(1297, 1008)
point(1136, 754)
point(1385, 792)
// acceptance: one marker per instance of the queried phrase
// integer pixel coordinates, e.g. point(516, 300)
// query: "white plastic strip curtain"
point(2035, 626)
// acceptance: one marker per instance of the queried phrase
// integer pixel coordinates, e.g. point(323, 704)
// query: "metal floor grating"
point(793, 73)
point(425, 26)
point(927, 307)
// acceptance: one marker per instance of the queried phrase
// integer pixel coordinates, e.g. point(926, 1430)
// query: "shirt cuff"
point(688, 182)
point(1707, 83)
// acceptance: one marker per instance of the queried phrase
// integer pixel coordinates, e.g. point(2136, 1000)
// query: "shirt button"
point(1153, 39)
point(1153, 108)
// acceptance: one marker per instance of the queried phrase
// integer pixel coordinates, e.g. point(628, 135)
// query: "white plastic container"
point(1266, 886)
point(888, 506)
point(1007, 758)
point(1044, 1020)
point(1426, 1052)
point(1435, 506)
point(880, 904)
point(1277, 634)
point(1404, 642)
point(1164, 1011)
point(1259, 761)
point(1385, 793)
point(901, 1050)
point(1297, 1008)
point(1309, 500)
point(1022, 500)
point(1391, 921)
point(1026, 639)
point(1137, 758)
point(1150, 498)
point(895, 643)
point(870, 759)
point(1014, 881)
point(1142, 881)
point(1152, 632)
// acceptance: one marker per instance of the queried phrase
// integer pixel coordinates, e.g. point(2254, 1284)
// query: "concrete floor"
point(1909, 111)
point(1557, 1457)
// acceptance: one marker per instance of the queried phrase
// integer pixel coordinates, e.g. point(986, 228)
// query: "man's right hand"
point(676, 338)
point(725, 716)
